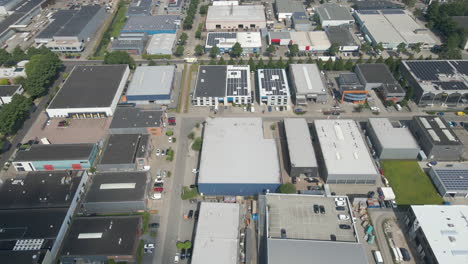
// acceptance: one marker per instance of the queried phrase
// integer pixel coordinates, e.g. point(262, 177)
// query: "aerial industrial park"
point(233, 132)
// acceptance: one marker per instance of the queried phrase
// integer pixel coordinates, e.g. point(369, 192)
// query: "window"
point(218, 26)
point(240, 26)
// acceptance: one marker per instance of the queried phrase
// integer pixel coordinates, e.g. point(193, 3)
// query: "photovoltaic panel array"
point(461, 66)
point(393, 12)
point(429, 71)
point(368, 12)
point(454, 179)
point(213, 38)
point(274, 82)
point(455, 85)
point(237, 83)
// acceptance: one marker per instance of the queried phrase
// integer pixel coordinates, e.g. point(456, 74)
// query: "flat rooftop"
point(343, 148)
point(40, 190)
point(244, 13)
point(224, 149)
point(94, 236)
point(58, 21)
point(454, 177)
point(223, 80)
point(437, 130)
point(446, 231)
point(8, 90)
point(47, 152)
point(376, 73)
point(217, 235)
point(140, 7)
point(289, 6)
point(340, 35)
point(21, 10)
point(334, 12)
point(272, 82)
point(307, 79)
point(117, 187)
point(301, 150)
point(90, 86)
point(78, 21)
point(152, 23)
point(151, 80)
point(124, 148)
point(130, 117)
point(391, 137)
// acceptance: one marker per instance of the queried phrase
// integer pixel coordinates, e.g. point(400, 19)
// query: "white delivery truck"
point(377, 257)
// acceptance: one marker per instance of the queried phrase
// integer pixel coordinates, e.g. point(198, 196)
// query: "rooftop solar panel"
point(393, 12)
point(453, 179)
point(461, 66)
point(273, 82)
point(237, 83)
point(451, 85)
point(215, 37)
point(430, 70)
point(368, 12)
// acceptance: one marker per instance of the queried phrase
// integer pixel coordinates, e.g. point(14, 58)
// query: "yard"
point(410, 184)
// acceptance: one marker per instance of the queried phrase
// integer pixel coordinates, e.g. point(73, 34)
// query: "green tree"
point(252, 64)
point(231, 62)
point(204, 9)
point(293, 50)
point(320, 64)
point(334, 49)
point(290, 61)
point(191, 135)
point(4, 81)
point(271, 49)
point(180, 245)
point(240, 62)
point(179, 51)
point(183, 38)
point(41, 70)
point(271, 64)
point(328, 65)
point(187, 244)
point(18, 55)
point(338, 65)
point(365, 47)
point(287, 188)
point(392, 64)
point(416, 47)
point(379, 60)
point(152, 62)
point(13, 114)
point(221, 61)
point(390, 103)
point(4, 56)
point(370, 60)
point(236, 50)
point(212, 62)
point(214, 51)
point(197, 144)
point(119, 57)
point(349, 65)
point(310, 60)
point(401, 47)
point(260, 64)
point(379, 46)
point(409, 3)
point(359, 61)
point(280, 64)
point(199, 50)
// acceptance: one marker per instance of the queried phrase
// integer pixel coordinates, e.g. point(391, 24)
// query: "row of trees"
point(180, 46)
point(119, 57)
point(191, 12)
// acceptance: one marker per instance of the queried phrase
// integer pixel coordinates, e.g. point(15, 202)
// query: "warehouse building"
point(7, 5)
point(307, 84)
point(125, 152)
point(139, 8)
point(217, 236)
point(245, 17)
point(437, 82)
point(391, 142)
point(290, 231)
point(312, 41)
point(161, 44)
point(133, 43)
point(22, 15)
point(56, 157)
point(253, 171)
point(392, 27)
point(130, 120)
point(8, 91)
point(151, 85)
point(69, 30)
point(436, 138)
point(344, 157)
point(301, 21)
point(334, 15)
point(222, 84)
point(251, 42)
point(374, 75)
point(98, 239)
point(151, 25)
point(439, 231)
point(451, 180)
point(273, 87)
point(90, 92)
point(286, 8)
point(351, 89)
point(175, 6)
point(393, 92)
point(342, 36)
point(301, 152)
point(117, 193)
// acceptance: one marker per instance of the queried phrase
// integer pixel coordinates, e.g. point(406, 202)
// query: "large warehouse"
point(56, 157)
point(437, 82)
point(130, 120)
point(273, 87)
point(90, 92)
point(334, 15)
point(310, 41)
point(286, 8)
point(161, 44)
point(151, 85)
point(307, 84)
point(236, 17)
point(344, 157)
point(436, 138)
point(251, 42)
point(125, 152)
point(451, 180)
point(117, 193)
point(290, 231)
point(225, 84)
point(391, 142)
point(374, 75)
point(236, 158)
point(342, 36)
point(217, 235)
point(392, 27)
point(301, 151)
point(151, 25)
point(440, 232)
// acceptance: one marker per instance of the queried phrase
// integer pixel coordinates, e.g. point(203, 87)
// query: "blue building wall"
point(67, 164)
point(148, 97)
point(150, 32)
point(240, 189)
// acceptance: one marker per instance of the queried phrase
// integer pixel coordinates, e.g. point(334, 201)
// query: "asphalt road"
point(379, 216)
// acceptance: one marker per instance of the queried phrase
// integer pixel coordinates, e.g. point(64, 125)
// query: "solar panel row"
point(453, 179)
point(429, 71)
point(214, 38)
point(453, 85)
point(273, 81)
point(237, 83)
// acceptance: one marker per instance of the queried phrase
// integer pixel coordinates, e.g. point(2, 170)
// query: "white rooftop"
point(235, 151)
point(249, 39)
point(151, 80)
point(307, 79)
point(310, 38)
point(446, 230)
point(343, 148)
point(301, 151)
point(217, 236)
point(393, 137)
point(245, 13)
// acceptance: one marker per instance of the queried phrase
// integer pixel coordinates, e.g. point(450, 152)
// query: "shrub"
point(197, 144)
point(191, 135)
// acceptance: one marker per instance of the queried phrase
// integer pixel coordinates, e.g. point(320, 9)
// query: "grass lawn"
point(113, 30)
point(409, 182)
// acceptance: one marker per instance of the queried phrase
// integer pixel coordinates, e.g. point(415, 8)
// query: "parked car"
point(314, 188)
point(343, 217)
point(316, 208)
point(340, 208)
point(158, 152)
point(158, 185)
point(169, 139)
point(154, 225)
point(176, 258)
point(405, 254)
point(148, 250)
point(190, 214)
point(343, 226)
point(149, 245)
point(189, 253)
point(182, 254)
point(171, 121)
point(157, 196)
point(339, 199)
point(441, 113)
point(195, 215)
point(340, 203)
point(322, 209)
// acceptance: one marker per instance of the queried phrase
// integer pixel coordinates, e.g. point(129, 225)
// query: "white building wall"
point(211, 25)
point(331, 23)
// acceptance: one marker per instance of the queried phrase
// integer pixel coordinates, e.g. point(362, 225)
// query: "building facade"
point(332, 14)
point(451, 180)
point(245, 17)
point(307, 84)
point(273, 87)
point(151, 85)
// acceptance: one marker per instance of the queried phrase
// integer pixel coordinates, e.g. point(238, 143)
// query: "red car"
point(158, 189)
point(171, 121)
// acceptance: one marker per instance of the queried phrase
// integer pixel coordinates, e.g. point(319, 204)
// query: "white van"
point(377, 257)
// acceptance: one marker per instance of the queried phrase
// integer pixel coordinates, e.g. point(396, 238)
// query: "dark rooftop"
point(117, 186)
point(90, 86)
point(376, 73)
point(376, 5)
point(60, 19)
point(350, 82)
point(40, 190)
point(129, 117)
point(119, 240)
point(56, 152)
point(151, 23)
point(124, 148)
point(20, 10)
point(273, 80)
point(437, 130)
point(78, 22)
point(23, 256)
point(140, 8)
point(8, 90)
point(211, 81)
point(341, 36)
point(393, 88)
